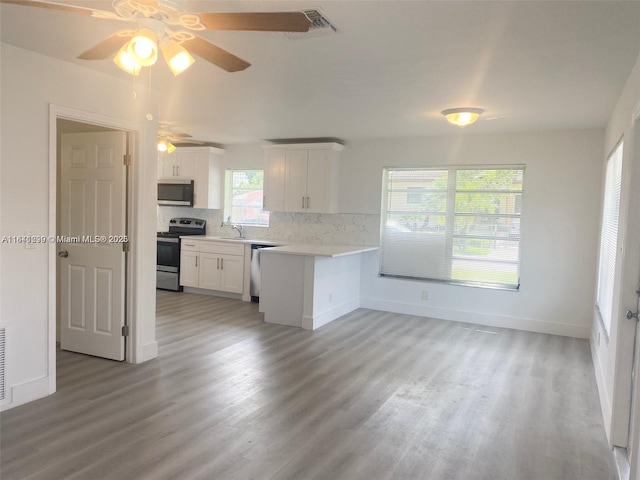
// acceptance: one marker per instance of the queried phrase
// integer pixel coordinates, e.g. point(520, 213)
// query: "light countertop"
point(312, 250)
point(257, 241)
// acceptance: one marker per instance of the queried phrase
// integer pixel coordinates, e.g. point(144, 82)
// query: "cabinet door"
point(231, 273)
point(186, 164)
point(189, 268)
point(167, 166)
point(210, 271)
point(323, 180)
point(273, 187)
point(295, 181)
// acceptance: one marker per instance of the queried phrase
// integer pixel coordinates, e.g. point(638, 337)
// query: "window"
point(609, 236)
point(243, 198)
point(465, 228)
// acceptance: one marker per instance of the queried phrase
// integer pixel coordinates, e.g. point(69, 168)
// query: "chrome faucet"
point(239, 228)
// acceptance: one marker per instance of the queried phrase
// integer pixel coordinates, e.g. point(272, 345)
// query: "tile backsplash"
point(341, 229)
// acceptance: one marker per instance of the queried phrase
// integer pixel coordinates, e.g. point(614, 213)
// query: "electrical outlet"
point(28, 244)
point(425, 294)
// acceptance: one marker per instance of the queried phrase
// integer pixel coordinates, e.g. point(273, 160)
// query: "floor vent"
point(320, 26)
point(2, 357)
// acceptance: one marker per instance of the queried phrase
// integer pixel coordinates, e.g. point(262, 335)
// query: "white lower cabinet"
point(189, 268)
point(212, 266)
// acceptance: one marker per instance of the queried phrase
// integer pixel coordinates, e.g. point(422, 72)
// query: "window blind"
point(609, 236)
point(453, 224)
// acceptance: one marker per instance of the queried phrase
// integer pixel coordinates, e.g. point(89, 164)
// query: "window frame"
point(229, 195)
point(451, 214)
point(608, 259)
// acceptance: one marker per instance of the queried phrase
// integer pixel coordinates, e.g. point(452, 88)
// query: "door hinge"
point(126, 159)
point(125, 246)
point(125, 330)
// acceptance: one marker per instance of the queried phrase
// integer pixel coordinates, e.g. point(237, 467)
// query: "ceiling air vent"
point(320, 26)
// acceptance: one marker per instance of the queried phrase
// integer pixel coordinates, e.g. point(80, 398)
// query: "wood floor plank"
point(373, 395)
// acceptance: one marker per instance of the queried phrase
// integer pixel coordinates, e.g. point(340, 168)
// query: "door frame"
point(633, 445)
point(135, 132)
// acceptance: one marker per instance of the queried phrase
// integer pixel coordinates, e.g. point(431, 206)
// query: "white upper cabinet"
point(200, 164)
point(302, 177)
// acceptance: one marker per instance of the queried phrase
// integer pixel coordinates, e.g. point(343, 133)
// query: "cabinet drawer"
point(223, 248)
point(190, 245)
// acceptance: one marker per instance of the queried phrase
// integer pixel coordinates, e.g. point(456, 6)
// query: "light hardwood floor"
point(371, 396)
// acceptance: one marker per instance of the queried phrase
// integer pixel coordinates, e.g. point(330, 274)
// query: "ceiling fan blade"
point(214, 54)
point(58, 6)
point(257, 21)
point(179, 135)
point(107, 47)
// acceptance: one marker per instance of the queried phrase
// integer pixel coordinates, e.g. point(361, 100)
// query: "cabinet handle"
point(222, 264)
point(196, 260)
point(174, 170)
point(303, 203)
point(264, 202)
point(217, 264)
point(177, 170)
point(307, 203)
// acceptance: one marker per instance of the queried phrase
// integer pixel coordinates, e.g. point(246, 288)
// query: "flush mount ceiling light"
point(462, 116)
point(161, 24)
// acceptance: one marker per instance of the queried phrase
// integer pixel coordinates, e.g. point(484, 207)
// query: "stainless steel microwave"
point(178, 192)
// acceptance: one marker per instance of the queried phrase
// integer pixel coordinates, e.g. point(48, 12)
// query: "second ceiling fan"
point(163, 25)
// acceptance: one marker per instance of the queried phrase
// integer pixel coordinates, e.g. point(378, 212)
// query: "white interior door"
point(92, 273)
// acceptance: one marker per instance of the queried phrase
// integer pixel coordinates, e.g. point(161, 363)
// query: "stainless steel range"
point(168, 262)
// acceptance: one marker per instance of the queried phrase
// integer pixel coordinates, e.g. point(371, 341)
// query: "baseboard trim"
point(490, 320)
point(149, 351)
point(317, 321)
point(27, 392)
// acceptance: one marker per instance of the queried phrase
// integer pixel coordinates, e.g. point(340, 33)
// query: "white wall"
point(613, 356)
point(559, 227)
point(30, 83)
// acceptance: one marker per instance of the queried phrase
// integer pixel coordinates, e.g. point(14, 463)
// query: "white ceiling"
point(391, 69)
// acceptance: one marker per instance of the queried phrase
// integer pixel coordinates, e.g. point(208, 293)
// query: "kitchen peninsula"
point(308, 286)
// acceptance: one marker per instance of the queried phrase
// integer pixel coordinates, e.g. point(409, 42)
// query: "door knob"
point(63, 254)
point(631, 315)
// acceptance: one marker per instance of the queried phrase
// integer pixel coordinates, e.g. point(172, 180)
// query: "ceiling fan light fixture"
point(143, 47)
point(126, 61)
point(177, 57)
point(462, 116)
point(165, 146)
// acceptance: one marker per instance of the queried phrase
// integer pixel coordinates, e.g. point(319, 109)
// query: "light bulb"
point(126, 61)
point(143, 47)
point(177, 57)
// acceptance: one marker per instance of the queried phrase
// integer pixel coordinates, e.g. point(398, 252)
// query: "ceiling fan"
point(167, 26)
point(167, 138)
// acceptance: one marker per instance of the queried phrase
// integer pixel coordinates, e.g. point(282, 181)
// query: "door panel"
point(295, 180)
point(232, 273)
point(209, 271)
point(92, 196)
point(318, 181)
point(273, 187)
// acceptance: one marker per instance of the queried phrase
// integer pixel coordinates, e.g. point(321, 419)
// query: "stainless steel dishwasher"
point(254, 279)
